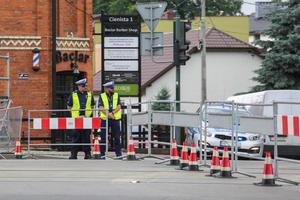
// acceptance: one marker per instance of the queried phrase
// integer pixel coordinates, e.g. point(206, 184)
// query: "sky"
point(249, 7)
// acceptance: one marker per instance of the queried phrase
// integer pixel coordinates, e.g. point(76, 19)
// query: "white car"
point(247, 142)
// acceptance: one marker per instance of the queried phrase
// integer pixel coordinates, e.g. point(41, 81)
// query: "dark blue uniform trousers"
point(81, 136)
point(116, 132)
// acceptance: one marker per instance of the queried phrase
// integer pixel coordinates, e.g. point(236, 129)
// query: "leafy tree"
point(163, 94)
point(281, 67)
point(186, 8)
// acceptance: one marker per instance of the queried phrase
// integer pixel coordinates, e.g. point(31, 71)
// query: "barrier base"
point(224, 174)
point(155, 157)
point(174, 162)
point(131, 157)
point(213, 171)
point(287, 181)
point(267, 182)
point(243, 173)
point(97, 156)
point(193, 168)
point(183, 165)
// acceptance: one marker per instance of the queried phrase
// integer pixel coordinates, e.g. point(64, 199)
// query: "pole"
point(176, 42)
point(53, 54)
point(203, 53)
point(8, 75)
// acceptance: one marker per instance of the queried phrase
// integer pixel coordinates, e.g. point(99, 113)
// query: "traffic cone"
point(130, 149)
point(184, 158)
point(96, 148)
point(193, 161)
point(174, 159)
point(18, 151)
point(225, 165)
point(268, 176)
point(215, 162)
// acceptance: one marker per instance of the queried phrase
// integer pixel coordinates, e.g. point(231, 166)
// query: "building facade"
point(25, 26)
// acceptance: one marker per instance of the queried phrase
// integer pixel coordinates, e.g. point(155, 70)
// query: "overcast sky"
point(249, 7)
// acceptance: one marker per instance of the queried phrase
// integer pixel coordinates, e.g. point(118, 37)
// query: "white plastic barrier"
point(259, 125)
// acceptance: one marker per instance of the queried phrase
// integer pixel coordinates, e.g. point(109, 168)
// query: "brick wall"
point(33, 18)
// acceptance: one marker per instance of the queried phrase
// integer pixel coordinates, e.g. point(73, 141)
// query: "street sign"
point(151, 12)
point(23, 76)
point(156, 44)
point(121, 61)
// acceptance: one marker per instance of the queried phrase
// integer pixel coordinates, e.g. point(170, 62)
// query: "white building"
point(230, 68)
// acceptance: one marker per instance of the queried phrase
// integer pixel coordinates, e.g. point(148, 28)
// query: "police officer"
point(110, 100)
point(81, 99)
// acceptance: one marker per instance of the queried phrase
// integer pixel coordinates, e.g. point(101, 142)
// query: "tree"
point(163, 94)
point(186, 8)
point(281, 67)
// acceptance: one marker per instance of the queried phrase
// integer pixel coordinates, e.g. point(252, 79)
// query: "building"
point(26, 25)
point(258, 22)
point(230, 68)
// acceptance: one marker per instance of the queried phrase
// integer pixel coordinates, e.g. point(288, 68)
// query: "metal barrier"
point(40, 120)
point(284, 125)
point(171, 118)
point(10, 128)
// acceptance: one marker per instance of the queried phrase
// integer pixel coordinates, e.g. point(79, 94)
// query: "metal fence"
point(53, 119)
point(10, 128)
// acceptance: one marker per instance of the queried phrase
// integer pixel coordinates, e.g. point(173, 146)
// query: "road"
point(61, 179)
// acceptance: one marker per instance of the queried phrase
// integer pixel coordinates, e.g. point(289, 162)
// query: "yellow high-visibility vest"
point(76, 105)
point(104, 98)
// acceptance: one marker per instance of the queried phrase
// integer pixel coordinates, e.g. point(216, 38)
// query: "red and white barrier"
point(288, 125)
point(66, 123)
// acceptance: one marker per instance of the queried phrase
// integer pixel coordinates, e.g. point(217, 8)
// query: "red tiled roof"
point(215, 39)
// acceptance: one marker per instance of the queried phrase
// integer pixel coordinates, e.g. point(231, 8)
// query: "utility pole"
point(176, 42)
point(203, 54)
point(53, 23)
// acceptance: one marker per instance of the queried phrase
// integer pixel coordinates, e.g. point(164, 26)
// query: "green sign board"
point(127, 89)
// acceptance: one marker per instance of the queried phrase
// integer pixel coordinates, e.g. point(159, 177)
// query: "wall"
point(228, 73)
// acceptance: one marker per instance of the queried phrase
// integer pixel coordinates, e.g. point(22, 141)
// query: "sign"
point(151, 13)
point(121, 53)
point(121, 42)
point(117, 65)
point(73, 56)
point(121, 77)
point(157, 41)
point(23, 76)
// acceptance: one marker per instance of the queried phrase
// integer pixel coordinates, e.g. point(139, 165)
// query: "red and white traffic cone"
point(18, 150)
point(268, 176)
point(174, 159)
point(131, 149)
point(225, 165)
point(184, 158)
point(193, 161)
point(96, 148)
point(215, 162)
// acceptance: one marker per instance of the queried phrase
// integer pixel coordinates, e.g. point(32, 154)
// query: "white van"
point(288, 146)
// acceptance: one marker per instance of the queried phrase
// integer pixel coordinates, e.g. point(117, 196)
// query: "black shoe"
point(87, 156)
point(73, 157)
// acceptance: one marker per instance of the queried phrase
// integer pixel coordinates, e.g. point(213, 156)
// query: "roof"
point(215, 39)
point(258, 25)
point(152, 69)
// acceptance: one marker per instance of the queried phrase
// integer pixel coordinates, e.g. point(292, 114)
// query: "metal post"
point(149, 128)
point(233, 122)
point(177, 38)
point(8, 75)
point(236, 140)
point(275, 112)
point(28, 134)
point(203, 52)
point(205, 135)
point(200, 131)
point(106, 133)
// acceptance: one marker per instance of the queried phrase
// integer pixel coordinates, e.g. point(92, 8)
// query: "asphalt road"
point(141, 180)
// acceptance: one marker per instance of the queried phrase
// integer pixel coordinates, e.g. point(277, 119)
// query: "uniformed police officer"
point(110, 100)
point(81, 99)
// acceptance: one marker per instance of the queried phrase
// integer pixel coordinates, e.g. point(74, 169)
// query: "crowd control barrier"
point(172, 118)
point(39, 122)
point(10, 128)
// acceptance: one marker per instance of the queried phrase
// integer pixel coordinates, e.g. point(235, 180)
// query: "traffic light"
point(181, 45)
